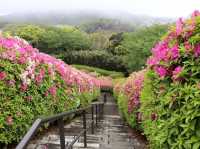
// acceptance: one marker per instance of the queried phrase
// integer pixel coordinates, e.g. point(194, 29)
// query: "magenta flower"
point(196, 13)
point(22, 60)
point(187, 46)
point(23, 87)
point(152, 61)
point(11, 83)
point(136, 101)
point(177, 71)
point(197, 50)
point(133, 90)
point(175, 52)
point(160, 52)
point(161, 71)
point(40, 76)
point(8, 43)
point(179, 26)
point(53, 90)
point(2, 75)
point(22, 50)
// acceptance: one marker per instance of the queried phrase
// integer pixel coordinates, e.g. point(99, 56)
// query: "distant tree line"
point(119, 51)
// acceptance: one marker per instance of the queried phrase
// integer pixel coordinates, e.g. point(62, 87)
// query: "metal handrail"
point(59, 117)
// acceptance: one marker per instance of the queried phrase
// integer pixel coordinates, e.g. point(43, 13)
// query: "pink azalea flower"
point(187, 46)
point(22, 60)
point(160, 52)
point(161, 71)
point(53, 90)
point(2, 75)
point(175, 52)
point(17, 50)
point(40, 76)
point(11, 83)
point(8, 43)
point(23, 87)
point(179, 26)
point(196, 13)
point(177, 72)
point(193, 25)
point(197, 50)
point(136, 101)
point(152, 61)
point(22, 50)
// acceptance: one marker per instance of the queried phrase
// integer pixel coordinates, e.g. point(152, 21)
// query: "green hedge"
point(171, 91)
point(101, 72)
point(34, 84)
point(170, 95)
point(95, 58)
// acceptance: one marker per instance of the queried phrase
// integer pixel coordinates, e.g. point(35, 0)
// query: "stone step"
point(110, 133)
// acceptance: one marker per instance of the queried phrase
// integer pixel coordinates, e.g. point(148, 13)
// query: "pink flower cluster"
point(105, 82)
point(38, 65)
point(132, 89)
point(2, 75)
point(169, 51)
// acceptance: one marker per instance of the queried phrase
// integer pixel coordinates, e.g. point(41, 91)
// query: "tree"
point(139, 44)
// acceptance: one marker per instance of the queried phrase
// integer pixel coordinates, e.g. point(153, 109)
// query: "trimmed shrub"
point(35, 84)
point(95, 58)
point(171, 94)
point(99, 71)
point(128, 98)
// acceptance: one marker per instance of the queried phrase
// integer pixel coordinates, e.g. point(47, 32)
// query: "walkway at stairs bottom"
point(111, 133)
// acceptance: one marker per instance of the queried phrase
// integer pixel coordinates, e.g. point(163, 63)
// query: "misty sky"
point(160, 8)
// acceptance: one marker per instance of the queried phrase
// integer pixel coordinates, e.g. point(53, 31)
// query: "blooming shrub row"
point(170, 96)
point(106, 82)
point(128, 95)
point(35, 84)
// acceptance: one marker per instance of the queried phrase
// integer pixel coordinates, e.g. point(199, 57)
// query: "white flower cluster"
point(28, 74)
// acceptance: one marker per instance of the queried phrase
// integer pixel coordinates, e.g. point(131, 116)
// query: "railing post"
point(105, 98)
point(84, 127)
point(99, 110)
point(96, 115)
point(102, 111)
point(61, 132)
point(92, 110)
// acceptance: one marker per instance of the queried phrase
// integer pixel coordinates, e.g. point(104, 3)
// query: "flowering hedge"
point(170, 95)
point(35, 84)
point(171, 90)
point(128, 97)
point(106, 82)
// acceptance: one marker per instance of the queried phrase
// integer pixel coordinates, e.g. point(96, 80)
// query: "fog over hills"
point(80, 17)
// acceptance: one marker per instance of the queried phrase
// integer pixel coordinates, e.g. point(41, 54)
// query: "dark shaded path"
point(111, 133)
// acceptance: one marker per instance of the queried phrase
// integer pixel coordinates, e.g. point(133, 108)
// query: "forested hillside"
point(102, 47)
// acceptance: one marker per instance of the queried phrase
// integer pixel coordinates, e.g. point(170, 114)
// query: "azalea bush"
point(106, 82)
point(170, 99)
point(128, 98)
point(34, 84)
point(165, 97)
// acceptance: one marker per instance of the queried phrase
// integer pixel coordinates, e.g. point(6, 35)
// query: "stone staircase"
point(110, 133)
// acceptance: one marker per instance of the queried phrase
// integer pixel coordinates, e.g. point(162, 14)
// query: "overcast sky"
point(160, 8)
